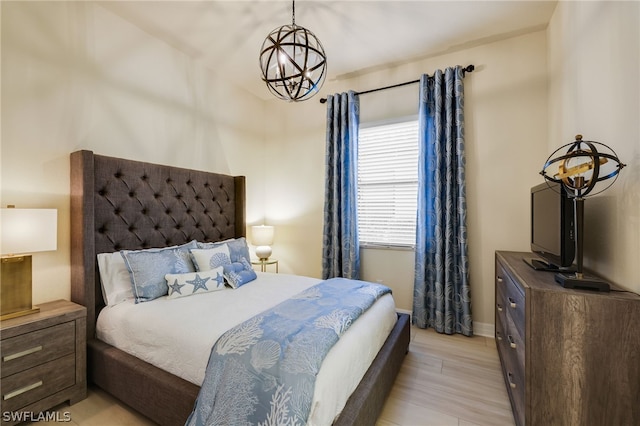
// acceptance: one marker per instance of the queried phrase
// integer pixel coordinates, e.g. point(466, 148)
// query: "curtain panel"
point(442, 297)
point(340, 245)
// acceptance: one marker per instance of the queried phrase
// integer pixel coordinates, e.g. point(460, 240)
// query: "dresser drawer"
point(510, 339)
point(31, 349)
point(501, 311)
point(512, 298)
point(21, 389)
point(515, 345)
point(501, 333)
point(514, 379)
point(512, 370)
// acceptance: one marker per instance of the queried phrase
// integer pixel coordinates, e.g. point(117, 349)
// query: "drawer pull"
point(498, 336)
point(499, 278)
point(22, 390)
point(511, 384)
point(499, 307)
point(512, 343)
point(21, 354)
point(512, 303)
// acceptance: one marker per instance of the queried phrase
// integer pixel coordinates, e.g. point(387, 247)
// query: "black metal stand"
point(578, 280)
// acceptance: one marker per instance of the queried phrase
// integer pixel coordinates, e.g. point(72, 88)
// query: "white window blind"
point(388, 184)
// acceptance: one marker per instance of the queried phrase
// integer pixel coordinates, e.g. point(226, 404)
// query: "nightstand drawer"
point(21, 389)
point(28, 350)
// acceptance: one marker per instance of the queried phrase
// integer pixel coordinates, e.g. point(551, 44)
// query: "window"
point(388, 184)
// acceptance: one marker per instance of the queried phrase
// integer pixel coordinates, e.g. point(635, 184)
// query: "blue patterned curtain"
point(441, 297)
point(340, 246)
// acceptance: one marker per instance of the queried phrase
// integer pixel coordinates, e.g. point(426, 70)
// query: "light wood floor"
point(448, 380)
point(445, 380)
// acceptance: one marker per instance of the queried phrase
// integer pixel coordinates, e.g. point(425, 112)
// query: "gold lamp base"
point(15, 287)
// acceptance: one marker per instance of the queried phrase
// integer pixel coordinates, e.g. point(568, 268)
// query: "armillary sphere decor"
point(293, 62)
point(580, 169)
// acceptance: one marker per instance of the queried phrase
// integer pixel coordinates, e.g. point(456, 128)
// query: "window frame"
point(413, 120)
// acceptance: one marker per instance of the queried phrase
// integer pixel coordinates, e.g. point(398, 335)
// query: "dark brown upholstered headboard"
point(121, 204)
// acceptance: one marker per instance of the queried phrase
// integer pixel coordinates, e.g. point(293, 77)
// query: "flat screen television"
point(552, 228)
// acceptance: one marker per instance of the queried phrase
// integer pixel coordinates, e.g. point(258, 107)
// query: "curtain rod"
point(468, 68)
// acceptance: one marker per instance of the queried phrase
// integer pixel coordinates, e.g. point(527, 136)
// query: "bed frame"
point(121, 204)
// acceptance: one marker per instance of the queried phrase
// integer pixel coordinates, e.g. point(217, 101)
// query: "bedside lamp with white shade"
point(23, 231)
point(262, 237)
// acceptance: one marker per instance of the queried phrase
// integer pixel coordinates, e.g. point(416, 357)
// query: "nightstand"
point(43, 359)
point(263, 264)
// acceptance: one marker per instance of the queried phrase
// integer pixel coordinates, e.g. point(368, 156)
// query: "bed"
point(119, 204)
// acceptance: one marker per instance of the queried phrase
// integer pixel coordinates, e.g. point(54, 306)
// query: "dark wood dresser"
point(569, 357)
point(43, 360)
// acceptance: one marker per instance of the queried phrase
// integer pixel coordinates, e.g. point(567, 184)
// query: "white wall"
point(594, 71)
point(516, 116)
point(75, 76)
point(506, 131)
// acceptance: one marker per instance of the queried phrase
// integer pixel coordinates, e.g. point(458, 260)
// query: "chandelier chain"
point(293, 12)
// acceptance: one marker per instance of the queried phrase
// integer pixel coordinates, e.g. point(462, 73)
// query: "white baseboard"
point(479, 328)
point(484, 329)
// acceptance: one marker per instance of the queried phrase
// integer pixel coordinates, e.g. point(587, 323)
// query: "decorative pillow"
point(114, 277)
point(239, 273)
point(181, 285)
point(206, 259)
point(238, 248)
point(212, 245)
point(147, 269)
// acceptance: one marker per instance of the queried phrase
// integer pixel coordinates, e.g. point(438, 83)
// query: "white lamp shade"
point(262, 235)
point(28, 230)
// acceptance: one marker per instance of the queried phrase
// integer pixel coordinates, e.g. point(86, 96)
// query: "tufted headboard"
point(119, 204)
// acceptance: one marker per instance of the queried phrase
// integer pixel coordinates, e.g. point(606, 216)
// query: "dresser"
point(569, 357)
point(43, 360)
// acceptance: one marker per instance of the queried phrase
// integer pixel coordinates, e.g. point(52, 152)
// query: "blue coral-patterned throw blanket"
point(263, 371)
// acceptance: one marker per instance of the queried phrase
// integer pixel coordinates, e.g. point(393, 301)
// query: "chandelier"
point(293, 62)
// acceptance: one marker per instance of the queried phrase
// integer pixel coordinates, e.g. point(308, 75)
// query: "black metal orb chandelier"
point(293, 62)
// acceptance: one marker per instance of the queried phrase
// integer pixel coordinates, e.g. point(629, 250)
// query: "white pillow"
point(205, 259)
point(115, 279)
point(181, 285)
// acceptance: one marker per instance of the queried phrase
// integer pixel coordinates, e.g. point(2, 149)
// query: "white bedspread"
point(177, 335)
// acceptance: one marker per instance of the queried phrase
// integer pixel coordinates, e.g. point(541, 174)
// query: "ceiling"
point(358, 36)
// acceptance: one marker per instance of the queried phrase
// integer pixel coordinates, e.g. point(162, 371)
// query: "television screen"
point(552, 227)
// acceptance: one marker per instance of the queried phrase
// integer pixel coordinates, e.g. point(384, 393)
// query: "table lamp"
point(582, 167)
point(23, 231)
point(262, 237)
